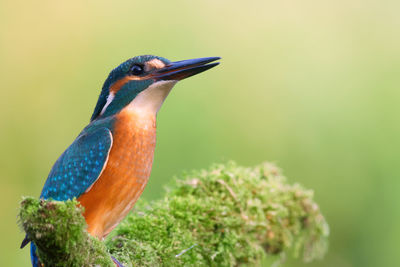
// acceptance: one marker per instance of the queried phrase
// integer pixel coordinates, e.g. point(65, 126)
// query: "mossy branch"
point(226, 216)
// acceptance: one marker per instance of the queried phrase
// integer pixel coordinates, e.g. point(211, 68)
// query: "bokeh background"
point(311, 85)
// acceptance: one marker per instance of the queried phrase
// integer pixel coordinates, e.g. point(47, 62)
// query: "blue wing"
point(79, 166)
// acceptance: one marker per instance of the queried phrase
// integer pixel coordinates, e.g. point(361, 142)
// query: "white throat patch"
point(150, 100)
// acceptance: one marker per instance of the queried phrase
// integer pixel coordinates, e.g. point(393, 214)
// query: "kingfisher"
point(108, 165)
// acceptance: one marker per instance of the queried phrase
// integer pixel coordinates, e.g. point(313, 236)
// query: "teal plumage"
point(79, 166)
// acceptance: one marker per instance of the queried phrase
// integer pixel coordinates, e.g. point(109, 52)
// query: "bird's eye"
point(137, 70)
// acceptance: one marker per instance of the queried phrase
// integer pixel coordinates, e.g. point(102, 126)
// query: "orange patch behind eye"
point(115, 87)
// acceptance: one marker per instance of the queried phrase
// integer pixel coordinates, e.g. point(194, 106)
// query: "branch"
point(226, 216)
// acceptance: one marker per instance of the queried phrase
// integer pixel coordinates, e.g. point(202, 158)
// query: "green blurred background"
point(310, 85)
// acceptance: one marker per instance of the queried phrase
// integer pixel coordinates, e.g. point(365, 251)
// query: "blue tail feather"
point(34, 258)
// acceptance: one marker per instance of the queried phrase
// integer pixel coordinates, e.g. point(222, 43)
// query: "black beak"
point(180, 70)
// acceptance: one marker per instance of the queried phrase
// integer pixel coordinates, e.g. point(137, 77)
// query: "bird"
point(107, 166)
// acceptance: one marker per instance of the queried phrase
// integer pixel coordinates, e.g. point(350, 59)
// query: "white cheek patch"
point(110, 98)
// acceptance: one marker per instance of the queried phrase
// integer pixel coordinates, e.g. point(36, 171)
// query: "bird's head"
point(144, 82)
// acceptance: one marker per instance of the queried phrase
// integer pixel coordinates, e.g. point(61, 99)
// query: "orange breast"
point(125, 175)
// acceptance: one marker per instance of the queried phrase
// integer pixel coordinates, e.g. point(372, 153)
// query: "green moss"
point(225, 216)
point(59, 231)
